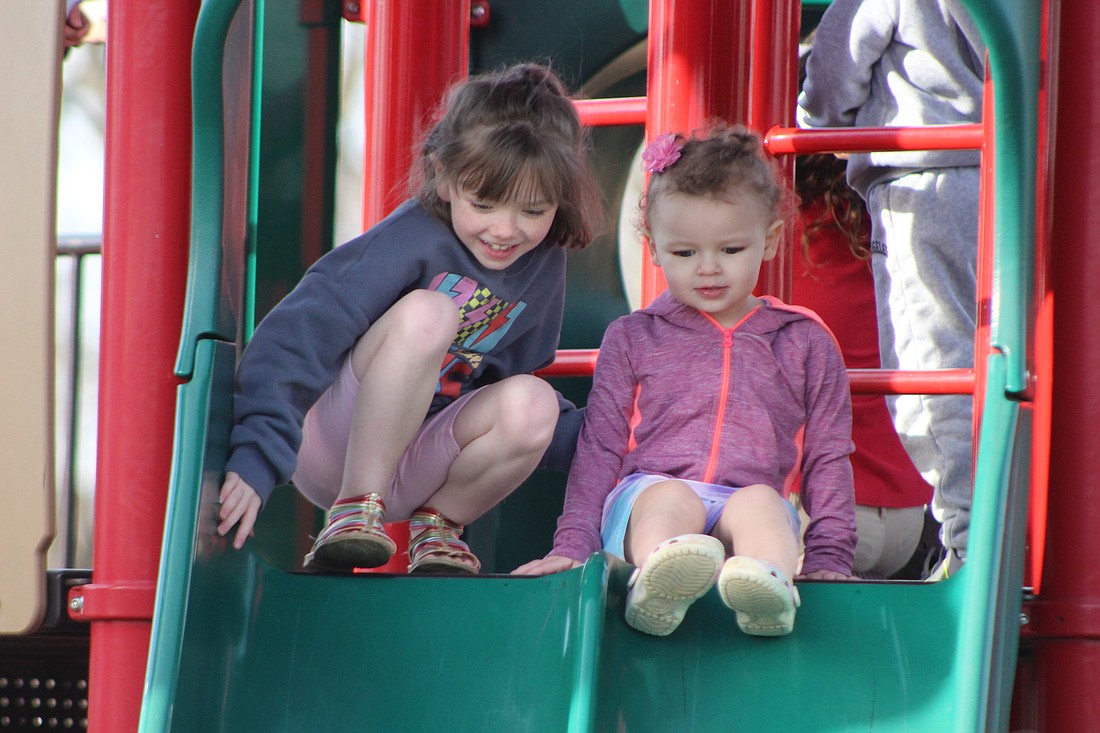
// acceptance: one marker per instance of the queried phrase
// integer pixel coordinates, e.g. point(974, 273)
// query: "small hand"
point(545, 566)
point(826, 575)
point(239, 506)
point(76, 27)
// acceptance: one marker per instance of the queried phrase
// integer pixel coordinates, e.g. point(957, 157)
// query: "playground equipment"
point(241, 640)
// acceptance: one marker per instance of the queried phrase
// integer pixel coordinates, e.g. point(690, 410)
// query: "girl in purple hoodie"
point(709, 406)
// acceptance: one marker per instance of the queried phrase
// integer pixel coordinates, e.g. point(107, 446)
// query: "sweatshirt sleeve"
point(850, 39)
point(828, 493)
point(295, 354)
point(602, 444)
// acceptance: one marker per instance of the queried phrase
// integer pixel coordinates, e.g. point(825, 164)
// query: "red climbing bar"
point(582, 362)
point(780, 140)
point(612, 111)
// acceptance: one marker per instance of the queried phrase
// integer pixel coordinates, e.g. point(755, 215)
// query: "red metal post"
point(406, 72)
point(145, 240)
point(414, 52)
point(985, 250)
point(1042, 312)
point(1065, 621)
point(773, 91)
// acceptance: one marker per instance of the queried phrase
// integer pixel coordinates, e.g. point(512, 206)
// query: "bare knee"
point(755, 498)
point(665, 496)
point(528, 412)
point(425, 316)
point(422, 324)
point(662, 510)
point(669, 491)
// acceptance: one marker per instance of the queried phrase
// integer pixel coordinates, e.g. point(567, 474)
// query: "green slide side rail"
point(1011, 30)
point(206, 313)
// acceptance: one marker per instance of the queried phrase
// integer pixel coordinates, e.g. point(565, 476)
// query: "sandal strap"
point(431, 533)
point(355, 514)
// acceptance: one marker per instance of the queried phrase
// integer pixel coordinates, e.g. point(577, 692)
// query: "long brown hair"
point(502, 135)
point(820, 178)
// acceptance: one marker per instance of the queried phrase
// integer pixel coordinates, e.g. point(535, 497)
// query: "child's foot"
point(677, 573)
point(353, 537)
point(434, 546)
point(763, 597)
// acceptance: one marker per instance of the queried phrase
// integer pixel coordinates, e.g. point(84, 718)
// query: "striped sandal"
point(434, 546)
point(353, 537)
point(763, 597)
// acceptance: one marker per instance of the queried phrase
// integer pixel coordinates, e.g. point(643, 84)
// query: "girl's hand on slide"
point(545, 566)
point(826, 575)
point(238, 505)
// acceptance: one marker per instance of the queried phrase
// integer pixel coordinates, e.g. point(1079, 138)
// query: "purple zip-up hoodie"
point(764, 402)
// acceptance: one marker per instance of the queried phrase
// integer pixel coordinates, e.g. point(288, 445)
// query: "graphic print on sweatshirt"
point(485, 319)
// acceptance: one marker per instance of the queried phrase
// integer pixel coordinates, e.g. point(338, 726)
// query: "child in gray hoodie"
point(902, 63)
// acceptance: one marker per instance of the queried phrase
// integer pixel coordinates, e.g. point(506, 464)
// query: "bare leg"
point(668, 580)
point(756, 523)
point(397, 363)
point(664, 510)
point(502, 433)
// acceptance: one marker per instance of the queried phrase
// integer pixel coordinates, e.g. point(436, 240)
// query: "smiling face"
point(498, 233)
point(711, 249)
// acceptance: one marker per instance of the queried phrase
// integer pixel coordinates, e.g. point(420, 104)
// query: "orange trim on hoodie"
point(723, 392)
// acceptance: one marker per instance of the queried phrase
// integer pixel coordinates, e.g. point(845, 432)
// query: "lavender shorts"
point(620, 502)
point(325, 432)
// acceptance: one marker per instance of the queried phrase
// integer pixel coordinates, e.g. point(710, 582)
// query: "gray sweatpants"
point(924, 242)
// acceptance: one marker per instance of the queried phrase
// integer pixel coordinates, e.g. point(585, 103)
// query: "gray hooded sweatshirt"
point(894, 63)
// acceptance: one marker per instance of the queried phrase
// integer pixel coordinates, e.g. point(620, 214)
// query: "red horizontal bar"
point(932, 381)
point(571, 363)
point(612, 111)
point(781, 140)
point(1061, 619)
point(582, 362)
point(119, 602)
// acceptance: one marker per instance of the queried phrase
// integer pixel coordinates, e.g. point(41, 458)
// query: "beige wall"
point(30, 62)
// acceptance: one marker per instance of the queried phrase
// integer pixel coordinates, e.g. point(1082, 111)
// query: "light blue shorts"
point(620, 502)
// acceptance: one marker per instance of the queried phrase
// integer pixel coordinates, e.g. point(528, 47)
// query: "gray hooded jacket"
point(894, 63)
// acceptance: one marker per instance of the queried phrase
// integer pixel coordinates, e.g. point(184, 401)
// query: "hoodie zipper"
point(723, 394)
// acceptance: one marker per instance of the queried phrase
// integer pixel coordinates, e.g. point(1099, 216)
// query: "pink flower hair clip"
point(661, 153)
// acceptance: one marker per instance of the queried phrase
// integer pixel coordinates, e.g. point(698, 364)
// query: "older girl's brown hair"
point(507, 135)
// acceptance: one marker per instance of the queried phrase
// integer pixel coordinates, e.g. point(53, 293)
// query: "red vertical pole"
point(145, 241)
point(1043, 302)
point(1066, 617)
point(699, 54)
point(985, 250)
point(773, 95)
point(406, 71)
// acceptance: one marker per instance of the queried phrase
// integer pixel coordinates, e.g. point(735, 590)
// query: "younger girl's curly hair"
point(720, 159)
